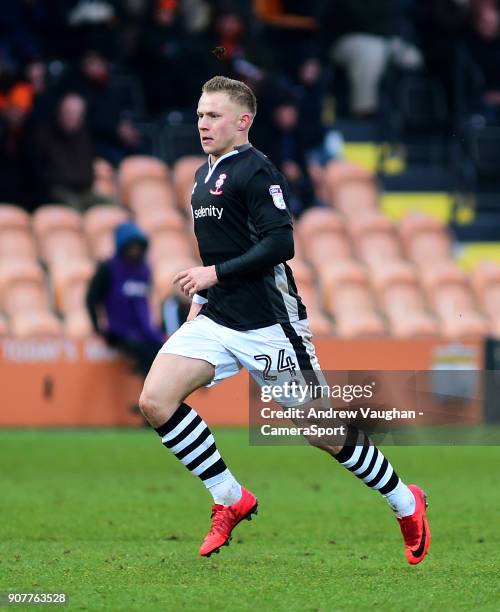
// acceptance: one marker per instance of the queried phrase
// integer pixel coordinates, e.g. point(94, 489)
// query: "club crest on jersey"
point(277, 196)
point(218, 184)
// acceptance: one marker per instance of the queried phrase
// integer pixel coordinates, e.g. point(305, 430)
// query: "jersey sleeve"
point(266, 197)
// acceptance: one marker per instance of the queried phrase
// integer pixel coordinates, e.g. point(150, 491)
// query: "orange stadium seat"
point(338, 172)
point(138, 167)
point(486, 282)
point(161, 220)
point(183, 176)
point(331, 274)
point(55, 217)
point(321, 234)
point(99, 223)
point(16, 238)
point(77, 324)
point(355, 197)
point(350, 189)
point(170, 242)
point(426, 239)
point(22, 287)
point(69, 284)
point(451, 297)
point(58, 230)
point(62, 246)
point(13, 216)
point(12, 269)
point(375, 238)
point(17, 244)
point(151, 195)
point(306, 285)
point(34, 323)
point(347, 296)
point(402, 301)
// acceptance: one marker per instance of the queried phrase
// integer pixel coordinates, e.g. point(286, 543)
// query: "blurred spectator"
point(441, 25)
point(164, 58)
point(108, 116)
point(65, 155)
point(94, 24)
point(320, 144)
point(16, 164)
point(44, 100)
point(121, 287)
point(363, 36)
point(285, 147)
point(483, 44)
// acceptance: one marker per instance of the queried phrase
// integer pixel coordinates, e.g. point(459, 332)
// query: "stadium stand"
point(378, 257)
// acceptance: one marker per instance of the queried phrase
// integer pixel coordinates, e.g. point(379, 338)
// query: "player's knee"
point(156, 408)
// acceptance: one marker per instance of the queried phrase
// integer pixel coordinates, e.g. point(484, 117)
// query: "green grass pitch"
point(114, 521)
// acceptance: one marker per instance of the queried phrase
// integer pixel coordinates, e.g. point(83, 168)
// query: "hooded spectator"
point(121, 287)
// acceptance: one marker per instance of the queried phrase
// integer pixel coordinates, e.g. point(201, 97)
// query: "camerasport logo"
point(218, 184)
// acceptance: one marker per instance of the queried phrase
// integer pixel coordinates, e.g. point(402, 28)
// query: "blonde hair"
point(236, 90)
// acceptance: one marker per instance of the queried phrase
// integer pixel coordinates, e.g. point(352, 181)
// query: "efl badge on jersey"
point(218, 184)
point(277, 196)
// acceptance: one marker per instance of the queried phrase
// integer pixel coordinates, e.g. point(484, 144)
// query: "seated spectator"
point(120, 286)
point(65, 155)
point(483, 45)
point(107, 113)
point(363, 37)
point(163, 58)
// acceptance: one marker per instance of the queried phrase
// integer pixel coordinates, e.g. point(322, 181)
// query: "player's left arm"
point(265, 198)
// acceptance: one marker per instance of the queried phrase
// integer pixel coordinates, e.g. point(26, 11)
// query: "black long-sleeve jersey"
point(244, 228)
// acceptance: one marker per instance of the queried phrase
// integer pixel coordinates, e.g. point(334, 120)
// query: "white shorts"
point(273, 355)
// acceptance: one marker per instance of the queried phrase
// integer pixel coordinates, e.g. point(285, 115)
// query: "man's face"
point(219, 120)
point(71, 113)
point(134, 251)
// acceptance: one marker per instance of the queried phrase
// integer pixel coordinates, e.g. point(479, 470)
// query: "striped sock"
point(187, 435)
point(368, 463)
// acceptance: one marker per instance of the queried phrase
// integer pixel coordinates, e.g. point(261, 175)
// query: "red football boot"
point(225, 519)
point(415, 528)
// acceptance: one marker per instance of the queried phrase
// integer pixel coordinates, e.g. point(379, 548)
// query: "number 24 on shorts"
point(283, 365)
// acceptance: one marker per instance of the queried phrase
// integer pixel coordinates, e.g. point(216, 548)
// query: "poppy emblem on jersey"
point(218, 184)
point(277, 196)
